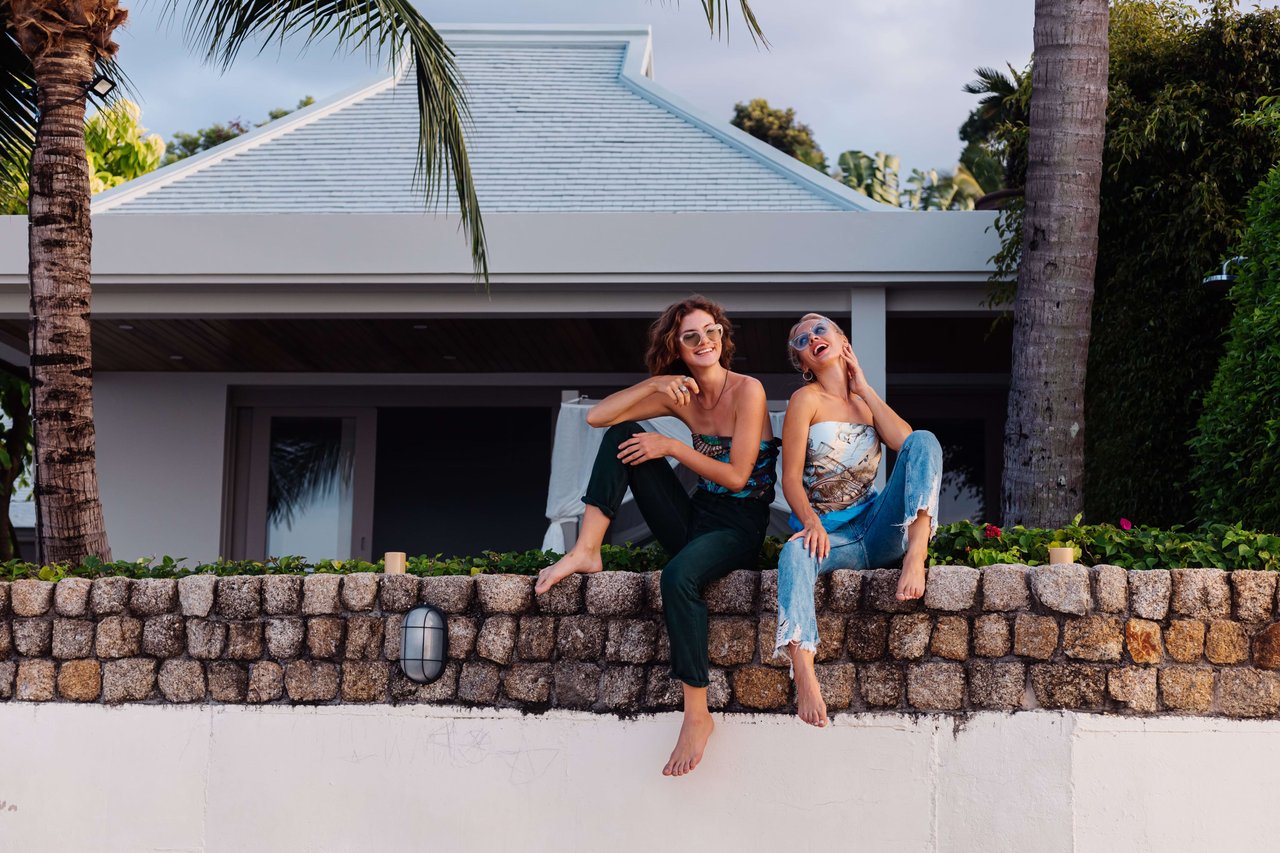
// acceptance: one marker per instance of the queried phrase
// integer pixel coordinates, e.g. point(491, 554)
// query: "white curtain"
point(574, 452)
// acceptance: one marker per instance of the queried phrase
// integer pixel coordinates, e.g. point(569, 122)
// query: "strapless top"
point(840, 466)
point(764, 474)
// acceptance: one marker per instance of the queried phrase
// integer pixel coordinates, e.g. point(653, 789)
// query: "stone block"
point(128, 680)
point(951, 638)
point(580, 637)
point(365, 680)
point(1149, 592)
point(735, 593)
point(244, 640)
point(761, 688)
point(991, 635)
point(881, 685)
point(1035, 636)
point(118, 637)
point(284, 637)
point(997, 685)
point(4, 598)
point(1266, 647)
point(1143, 639)
point(909, 635)
point(882, 591)
point(205, 638)
point(324, 637)
point(1071, 686)
point(73, 638)
point(1255, 594)
point(70, 597)
point(8, 669)
point(282, 595)
point(935, 686)
point(320, 597)
point(462, 636)
point(1004, 587)
point(1226, 642)
point(1111, 586)
point(731, 641)
point(504, 593)
point(615, 593)
point(359, 593)
point(867, 636)
point(153, 596)
point(36, 679)
point(536, 638)
point(80, 680)
point(653, 590)
point(1184, 640)
point(1245, 692)
point(621, 688)
point(836, 682)
point(844, 592)
point(30, 597)
point(661, 690)
point(443, 689)
point(577, 684)
point(195, 594)
point(566, 597)
point(662, 650)
point(528, 682)
point(769, 591)
point(830, 636)
point(399, 593)
point(1135, 686)
point(1095, 638)
point(497, 639)
point(951, 588)
point(1201, 593)
point(266, 682)
point(364, 637)
point(448, 593)
point(1186, 688)
point(182, 680)
point(718, 692)
point(391, 636)
point(632, 640)
point(766, 640)
point(33, 637)
point(311, 681)
point(1062, 588)
point(6, 640)
point(228, 682)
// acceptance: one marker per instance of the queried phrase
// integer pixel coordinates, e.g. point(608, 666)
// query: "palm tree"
point(52, 49)
point(1044, 433)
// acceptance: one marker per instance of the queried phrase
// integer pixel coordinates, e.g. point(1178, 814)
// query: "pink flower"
point(992, 531)
point(1126, 524)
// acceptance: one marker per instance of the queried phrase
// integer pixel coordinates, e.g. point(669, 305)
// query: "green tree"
point(184, 145)
point(779, 128)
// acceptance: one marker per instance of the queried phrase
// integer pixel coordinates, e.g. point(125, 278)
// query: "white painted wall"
point(441, 778)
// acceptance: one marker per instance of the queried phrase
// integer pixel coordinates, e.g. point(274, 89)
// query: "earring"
point(806, 375)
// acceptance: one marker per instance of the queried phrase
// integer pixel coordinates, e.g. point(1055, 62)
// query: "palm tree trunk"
point(1044, 433)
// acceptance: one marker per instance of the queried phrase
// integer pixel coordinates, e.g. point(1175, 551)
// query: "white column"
point(867, 335)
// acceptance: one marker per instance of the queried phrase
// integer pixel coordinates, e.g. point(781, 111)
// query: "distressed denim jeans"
point(874, 539)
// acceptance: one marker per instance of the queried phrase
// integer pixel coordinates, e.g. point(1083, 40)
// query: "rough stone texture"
point(761, 687)
point(32, 637)
point(8, 669)
point(1035, 636)
point(1111, 584)
point(1186, 688)
point(266, 682)
point(364, 637)
point(528, 682)
point(1255, 594)
point(766, 637)
point(182, 681)
point(1149, 593)
point(836, 681)
point(731, 641)
point(359, 593)
point(6, 640)
point(577, 685)
point(400, 593)
point(443, 689)
point(830, 636)
point(391, 636)
point(4, 598)
point(991, 636)
point(1135, 686)
point(319, 598)
point(205, 638)
point(566, 596)
point(615, 593)
point(621, 688)
point(195, 594)
point(448, 593)
point(118, 637)
point(661, 690)
point(536, 639)
point(580, 637)
point(244, 640)
point(365, 681)
point(1226, 642)
point(80, 680)
point(30, 597)
point(504, 593)
point(1201, 593)
point(73, 638)
point(629, 641)
point(880, 684)
point(997, 685)
point(462, 636)
point(228, 682)
point(718, 691)
point(734, 593)
point(844, 592)
point(662, 654)
point(951, 638)
point(1062, 588)
point(909, 635)
point(1004, 587)
point(935, 686)
point(35, 682)
point(153, 596)
point(1184, 640)
point(497, 639)
point(1248, 692)
point(1143, 640)
point(1096, 638)
point(324, 636)
point(282, 595)
point(305, 681)
point(1266, 647)
point(882, 590)
point(128, 680)
point(867, 637)
point(284, 637)
point(70, 597)
point(769, 591)
point(951, 588)
point(1069, 685)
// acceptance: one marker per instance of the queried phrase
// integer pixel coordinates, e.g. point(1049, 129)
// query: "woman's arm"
point(795, 447)
point(892, 429)
point(651, 398)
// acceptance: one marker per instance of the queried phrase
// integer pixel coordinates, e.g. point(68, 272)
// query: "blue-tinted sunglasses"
point(801, 341)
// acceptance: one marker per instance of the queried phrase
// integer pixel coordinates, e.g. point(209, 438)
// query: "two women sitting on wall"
point(831, 454)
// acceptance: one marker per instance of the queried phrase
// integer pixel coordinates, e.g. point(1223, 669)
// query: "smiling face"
point(704, 352)
point(815, 341)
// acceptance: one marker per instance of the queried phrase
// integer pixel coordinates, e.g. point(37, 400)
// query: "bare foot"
point(569, 564)
point(809, 704)
point(689, 746)
point(911, 581)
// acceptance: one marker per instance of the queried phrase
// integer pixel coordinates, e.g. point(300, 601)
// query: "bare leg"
point(583, 557)
point(809, 704)
point(911, 582)
point(694, 731)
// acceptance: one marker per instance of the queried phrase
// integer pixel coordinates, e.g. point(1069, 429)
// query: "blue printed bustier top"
point(763, 475)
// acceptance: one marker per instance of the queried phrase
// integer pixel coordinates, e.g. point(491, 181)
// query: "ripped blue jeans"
point(875, 538)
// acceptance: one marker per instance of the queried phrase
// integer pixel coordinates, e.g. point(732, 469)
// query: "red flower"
point(1126, 524)
point(992, 531)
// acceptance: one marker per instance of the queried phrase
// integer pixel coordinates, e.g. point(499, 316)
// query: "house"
point(292, 355)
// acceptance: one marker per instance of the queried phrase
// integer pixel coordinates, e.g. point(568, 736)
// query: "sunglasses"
point(801, 341)
point(712, 333)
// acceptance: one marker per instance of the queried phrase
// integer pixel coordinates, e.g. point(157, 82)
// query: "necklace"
point(723, 386)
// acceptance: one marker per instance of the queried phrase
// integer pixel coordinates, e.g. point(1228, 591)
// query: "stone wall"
point(1187, 641)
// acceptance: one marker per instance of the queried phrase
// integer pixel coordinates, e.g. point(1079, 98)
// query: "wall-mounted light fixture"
point(1223, 276)
point(424, 644)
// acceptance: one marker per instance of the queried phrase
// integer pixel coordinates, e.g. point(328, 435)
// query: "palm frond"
point(718, 19)
point(17, 108)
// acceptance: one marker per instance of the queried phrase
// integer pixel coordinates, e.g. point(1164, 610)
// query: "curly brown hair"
point(663, 353)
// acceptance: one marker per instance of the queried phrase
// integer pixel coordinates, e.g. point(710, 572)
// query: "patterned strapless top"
point(763, 475)
point(840, 465)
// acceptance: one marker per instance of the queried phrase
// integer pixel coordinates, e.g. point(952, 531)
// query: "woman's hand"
point(857, 380)
point(679, 388)
point(815, 539)
point(644, 446)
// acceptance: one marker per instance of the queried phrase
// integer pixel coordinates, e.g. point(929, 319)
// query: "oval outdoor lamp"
point(424, 644)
